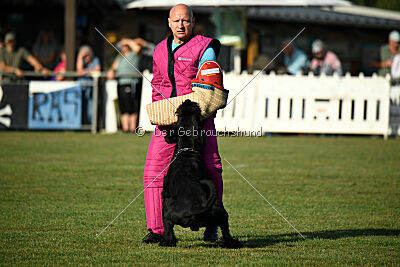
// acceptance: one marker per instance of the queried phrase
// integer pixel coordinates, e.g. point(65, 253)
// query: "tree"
point(384, 4)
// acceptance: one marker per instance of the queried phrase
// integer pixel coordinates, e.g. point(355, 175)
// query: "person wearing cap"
point(294, 59)
point(176, 61)
point(11, 57)
point(387, 52)
point(324, 61)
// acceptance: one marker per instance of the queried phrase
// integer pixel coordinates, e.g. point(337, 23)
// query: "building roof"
point(242, 3)
point(333, 12)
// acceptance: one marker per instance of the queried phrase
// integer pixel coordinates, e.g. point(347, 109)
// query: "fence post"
point(95, 97)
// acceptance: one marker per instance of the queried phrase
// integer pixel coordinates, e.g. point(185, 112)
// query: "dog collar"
point(186, 149)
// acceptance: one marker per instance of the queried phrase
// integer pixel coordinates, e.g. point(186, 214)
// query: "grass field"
point(58, 190)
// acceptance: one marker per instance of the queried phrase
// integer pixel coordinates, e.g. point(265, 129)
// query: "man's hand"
point(110, 75)
point(140, 41)
point(59, 77)
point(135, 45)
point(45, 72)
point(82, 54)
point(387, 63)
point(19, 73)
point(383, 64)
point(82, 72)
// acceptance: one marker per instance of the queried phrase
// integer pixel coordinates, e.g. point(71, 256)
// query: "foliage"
point(384, 4)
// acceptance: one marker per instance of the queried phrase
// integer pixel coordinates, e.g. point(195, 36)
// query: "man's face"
point(319, 54)
point(393, 46)
point(10, 43)
point(180, 22)
point(87, 56)
point(46, 38)
point(63, 56)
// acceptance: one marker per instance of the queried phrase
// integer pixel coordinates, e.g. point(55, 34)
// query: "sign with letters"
point(55, 105)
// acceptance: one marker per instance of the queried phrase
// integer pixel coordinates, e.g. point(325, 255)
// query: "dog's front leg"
point(227, 239)
point(169, 239)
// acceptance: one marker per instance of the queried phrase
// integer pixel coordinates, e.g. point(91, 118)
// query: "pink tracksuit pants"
point(159, 155)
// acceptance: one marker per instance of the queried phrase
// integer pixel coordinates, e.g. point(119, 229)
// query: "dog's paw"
point(167, 243)
point(232, 243)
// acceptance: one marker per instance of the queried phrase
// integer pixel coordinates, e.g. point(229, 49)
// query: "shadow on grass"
point(263, 241)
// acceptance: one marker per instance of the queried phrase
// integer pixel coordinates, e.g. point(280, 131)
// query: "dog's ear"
point(171, 136)
point(179, 111)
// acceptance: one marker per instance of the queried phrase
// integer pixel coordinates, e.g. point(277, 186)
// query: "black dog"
point(189, 195)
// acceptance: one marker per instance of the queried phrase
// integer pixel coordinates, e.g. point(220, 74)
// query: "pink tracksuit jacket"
point(172, 73)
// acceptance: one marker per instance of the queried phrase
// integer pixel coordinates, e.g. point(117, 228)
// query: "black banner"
point(14, 106)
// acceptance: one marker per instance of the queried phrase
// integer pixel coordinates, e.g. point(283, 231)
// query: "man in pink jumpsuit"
point(175, 64)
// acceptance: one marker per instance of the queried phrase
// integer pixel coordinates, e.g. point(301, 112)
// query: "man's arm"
point(36, 65)
point(79, 63)
point(6, 68)
point(135, 45)
point(209, 54)
point(383, 54)
point(383, 64)
point(156, 95)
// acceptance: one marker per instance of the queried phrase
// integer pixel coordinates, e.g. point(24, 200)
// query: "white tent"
point(368, 12)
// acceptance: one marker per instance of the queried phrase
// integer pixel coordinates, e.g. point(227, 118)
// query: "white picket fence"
point(307, 104)
point(302, 104)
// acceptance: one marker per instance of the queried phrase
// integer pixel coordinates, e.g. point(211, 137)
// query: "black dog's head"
point(188, 131)
point(189, 109)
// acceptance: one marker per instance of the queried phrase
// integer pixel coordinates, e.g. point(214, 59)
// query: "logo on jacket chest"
point(184, 59)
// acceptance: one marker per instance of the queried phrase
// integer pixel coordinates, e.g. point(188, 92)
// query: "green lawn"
point(58, 190)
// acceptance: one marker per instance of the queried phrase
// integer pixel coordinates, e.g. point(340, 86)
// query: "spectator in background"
point(324, 61)
point(61, 66)
point(45, 49)
point(12, 56)
point(295, 60)
point(128, 93)
point(87, 63)
point(387, 52)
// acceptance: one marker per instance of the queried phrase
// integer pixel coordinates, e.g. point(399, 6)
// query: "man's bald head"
point(181, 8)
point(181, 22)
